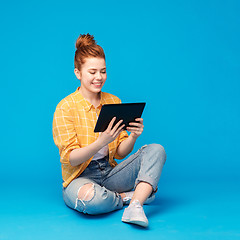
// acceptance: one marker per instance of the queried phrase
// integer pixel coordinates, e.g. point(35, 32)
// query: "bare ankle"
point(123, 195)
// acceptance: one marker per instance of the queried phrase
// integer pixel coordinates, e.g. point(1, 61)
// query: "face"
point(92, 74)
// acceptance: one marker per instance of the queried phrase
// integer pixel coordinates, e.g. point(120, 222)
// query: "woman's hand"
point(110, 133)
point(136, 129)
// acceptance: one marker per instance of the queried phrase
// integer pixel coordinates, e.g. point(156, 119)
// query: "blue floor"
point(182, 210)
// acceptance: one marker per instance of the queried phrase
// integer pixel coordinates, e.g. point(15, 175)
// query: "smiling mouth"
point(97, 84)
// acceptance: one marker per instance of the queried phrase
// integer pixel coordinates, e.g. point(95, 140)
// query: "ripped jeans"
point(107, 182)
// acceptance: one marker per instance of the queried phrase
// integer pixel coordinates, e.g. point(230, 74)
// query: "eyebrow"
point(95, 69)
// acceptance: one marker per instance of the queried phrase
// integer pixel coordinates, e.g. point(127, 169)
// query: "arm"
point(127, 145)
point(80, 155)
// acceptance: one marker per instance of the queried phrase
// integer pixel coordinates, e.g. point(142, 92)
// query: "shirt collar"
point(86, 104)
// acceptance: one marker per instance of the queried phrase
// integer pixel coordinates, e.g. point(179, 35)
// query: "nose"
point(98, 75)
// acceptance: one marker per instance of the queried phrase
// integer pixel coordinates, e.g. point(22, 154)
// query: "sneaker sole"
point(135, 221)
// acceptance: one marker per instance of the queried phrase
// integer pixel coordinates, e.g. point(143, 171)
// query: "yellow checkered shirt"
point(73, 127)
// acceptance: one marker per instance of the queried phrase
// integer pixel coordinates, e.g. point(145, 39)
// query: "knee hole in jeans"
point(86, 192)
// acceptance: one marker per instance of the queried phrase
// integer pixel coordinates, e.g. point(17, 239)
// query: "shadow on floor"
point(163, 204)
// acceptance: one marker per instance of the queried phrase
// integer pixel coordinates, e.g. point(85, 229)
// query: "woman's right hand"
point(110, 133)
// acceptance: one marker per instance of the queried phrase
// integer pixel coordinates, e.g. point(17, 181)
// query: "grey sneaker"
point(129, 195)
point(134, 214)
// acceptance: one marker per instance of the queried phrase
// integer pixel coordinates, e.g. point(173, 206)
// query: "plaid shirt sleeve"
point(64, 133)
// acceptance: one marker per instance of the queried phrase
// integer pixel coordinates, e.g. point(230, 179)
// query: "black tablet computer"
point(128, 112)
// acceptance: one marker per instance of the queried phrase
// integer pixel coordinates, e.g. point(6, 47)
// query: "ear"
point(77, 73)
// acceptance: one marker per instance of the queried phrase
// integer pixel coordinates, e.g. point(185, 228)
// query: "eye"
point(92, 72)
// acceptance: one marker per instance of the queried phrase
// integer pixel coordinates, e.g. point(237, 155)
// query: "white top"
point(101, 153)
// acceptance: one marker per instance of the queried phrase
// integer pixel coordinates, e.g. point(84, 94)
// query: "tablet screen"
point(128, 112)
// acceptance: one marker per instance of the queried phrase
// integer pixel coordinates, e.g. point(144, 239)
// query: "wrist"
point(99, 144)
point(131, 136)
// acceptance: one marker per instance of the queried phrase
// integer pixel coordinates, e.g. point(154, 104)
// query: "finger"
point(135, 124)
point(119, 131)
point(133, 129)
point(139, 120)
point(117, 125)
point(111, 124)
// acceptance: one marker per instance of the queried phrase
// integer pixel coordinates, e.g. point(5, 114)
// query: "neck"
point(90, 96)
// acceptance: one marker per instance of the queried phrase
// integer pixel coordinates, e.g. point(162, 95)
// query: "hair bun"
point(86, 47)
point(85, 40)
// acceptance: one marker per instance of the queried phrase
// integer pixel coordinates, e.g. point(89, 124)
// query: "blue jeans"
point(144, 165)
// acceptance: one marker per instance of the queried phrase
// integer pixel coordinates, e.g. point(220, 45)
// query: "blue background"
point(181, 57)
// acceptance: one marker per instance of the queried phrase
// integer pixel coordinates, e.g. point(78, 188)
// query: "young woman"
point(93, 182)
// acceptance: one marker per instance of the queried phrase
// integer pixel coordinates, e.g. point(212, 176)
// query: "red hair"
point(86, 47)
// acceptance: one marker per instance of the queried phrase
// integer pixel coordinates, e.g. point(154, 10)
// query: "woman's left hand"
point(136, 129)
